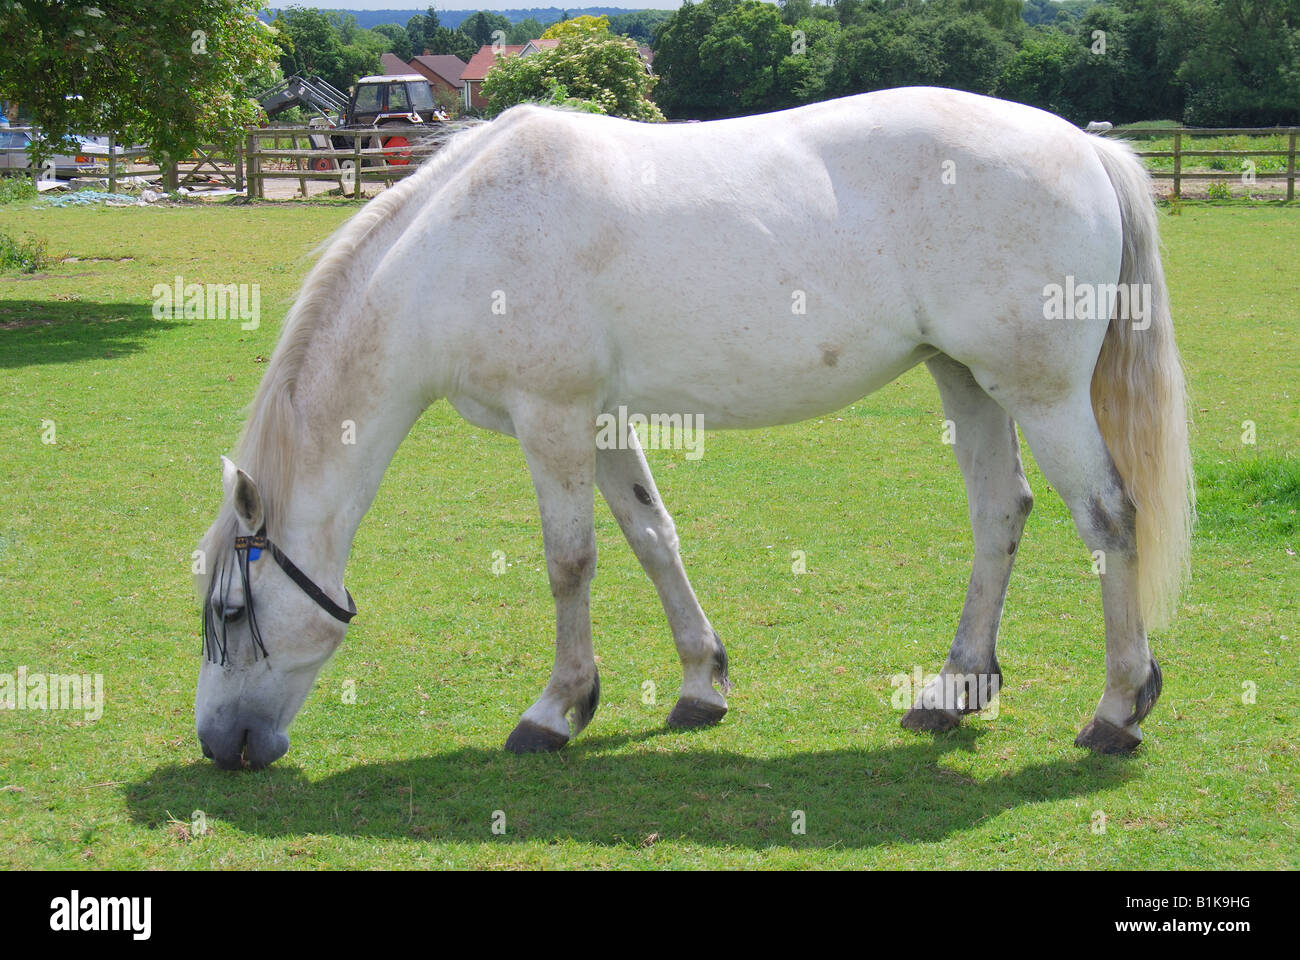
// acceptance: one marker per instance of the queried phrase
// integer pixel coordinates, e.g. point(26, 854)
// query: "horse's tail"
point(1140, 398)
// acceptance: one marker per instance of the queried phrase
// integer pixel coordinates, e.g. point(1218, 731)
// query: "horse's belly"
point(732, 388)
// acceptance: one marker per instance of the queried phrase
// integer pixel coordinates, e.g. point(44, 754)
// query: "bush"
point(13, 189)
point(28, 254)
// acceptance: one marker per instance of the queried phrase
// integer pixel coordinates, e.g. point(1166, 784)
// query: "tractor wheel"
point(395, 156)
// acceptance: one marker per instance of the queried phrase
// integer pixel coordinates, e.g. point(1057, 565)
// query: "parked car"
point(14, 156)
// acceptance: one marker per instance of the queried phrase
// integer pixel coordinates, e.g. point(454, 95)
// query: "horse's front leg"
point(559, 444)
point(625, 481)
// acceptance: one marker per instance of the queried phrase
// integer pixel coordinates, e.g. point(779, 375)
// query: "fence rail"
point(1178, 175)
point(366, 158)
point(371, 157)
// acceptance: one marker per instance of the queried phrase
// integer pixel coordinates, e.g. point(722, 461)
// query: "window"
point(421, 96)
point(368, 98)
point(397, 102)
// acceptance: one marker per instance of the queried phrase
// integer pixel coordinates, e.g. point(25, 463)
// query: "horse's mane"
point(267, 442)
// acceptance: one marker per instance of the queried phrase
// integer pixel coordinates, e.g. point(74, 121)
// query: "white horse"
point(550, 267)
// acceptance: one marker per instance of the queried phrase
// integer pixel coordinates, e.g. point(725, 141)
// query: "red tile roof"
point(486, 59)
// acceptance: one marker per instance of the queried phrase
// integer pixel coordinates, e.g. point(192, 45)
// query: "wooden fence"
point(1182, 134)
point(262, 154)
point(365, 159)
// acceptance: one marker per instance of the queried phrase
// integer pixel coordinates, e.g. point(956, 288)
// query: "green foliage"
point(1211, 62)
point(169, 74)
point(328, 44)
point(27, 254)
point(638, 24)
point(577, 26)
point(727, 57)
point(399, 41)
point(527, 29)
point(483, 26)
point(1219, 190)
point(587, 65)
point(14, 189)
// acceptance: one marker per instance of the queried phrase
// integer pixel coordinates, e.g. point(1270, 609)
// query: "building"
point(443, 71)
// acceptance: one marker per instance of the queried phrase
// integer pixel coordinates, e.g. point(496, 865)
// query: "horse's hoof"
point(932, 721)
point(690, 713)
point(1101, 736)
point(529, 737)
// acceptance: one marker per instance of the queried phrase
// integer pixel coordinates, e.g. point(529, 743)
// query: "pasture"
point(397, 757)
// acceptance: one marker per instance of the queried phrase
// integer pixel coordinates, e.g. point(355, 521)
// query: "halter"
point(249, 550)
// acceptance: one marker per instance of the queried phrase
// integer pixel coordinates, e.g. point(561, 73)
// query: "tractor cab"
point(395, 99)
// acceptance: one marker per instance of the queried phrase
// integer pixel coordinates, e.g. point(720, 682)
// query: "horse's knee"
point(571, 572)
point(655, 544)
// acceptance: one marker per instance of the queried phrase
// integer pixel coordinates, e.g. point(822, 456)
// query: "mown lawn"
point(96, 532)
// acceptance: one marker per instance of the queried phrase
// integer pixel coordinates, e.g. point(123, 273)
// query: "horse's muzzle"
point(243, 746)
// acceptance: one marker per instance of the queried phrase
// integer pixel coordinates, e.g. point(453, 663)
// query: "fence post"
point(250, 162)
point(112, 164)
point(1178, 163)
point(301, 164)
point(170, 174)
point(239, 164)
point(356, 166)
point(1290, 167)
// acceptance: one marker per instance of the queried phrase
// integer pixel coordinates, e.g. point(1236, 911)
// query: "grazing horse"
point(552, 267)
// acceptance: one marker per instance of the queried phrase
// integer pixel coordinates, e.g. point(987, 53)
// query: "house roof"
point(486, 59)
point(539, 45)
point(446, 65)
point(394, 65)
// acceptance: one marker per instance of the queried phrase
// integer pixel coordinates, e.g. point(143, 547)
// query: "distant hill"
point(453, 18)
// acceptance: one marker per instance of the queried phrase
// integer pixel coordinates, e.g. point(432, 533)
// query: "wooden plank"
point(1290, 168)
point(1178, 165)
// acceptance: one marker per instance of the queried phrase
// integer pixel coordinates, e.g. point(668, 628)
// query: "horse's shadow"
point(848, 798)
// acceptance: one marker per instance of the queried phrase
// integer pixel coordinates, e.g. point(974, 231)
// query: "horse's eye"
point(228, 614)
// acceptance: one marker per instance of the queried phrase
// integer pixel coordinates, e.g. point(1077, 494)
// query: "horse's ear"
point(243, 495)
point(228, 473)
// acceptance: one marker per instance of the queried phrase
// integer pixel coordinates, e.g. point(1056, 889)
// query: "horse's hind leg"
point(558, 444)
point(625, 481)
point(1073, 456)
point(999, 498)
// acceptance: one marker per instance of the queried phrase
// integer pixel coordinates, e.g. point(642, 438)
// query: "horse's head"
point(268, 628)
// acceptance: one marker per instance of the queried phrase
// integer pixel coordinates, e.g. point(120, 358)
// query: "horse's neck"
point(354, 410)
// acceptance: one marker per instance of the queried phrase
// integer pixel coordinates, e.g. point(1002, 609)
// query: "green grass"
point(96, 532)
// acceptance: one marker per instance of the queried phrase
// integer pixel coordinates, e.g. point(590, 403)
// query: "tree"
point(399, 42)
point(525, 30)
point(588, 69)
point(638, 24)
point(578, 26)
point(170, 74)
point(481, 27)
point(721, 58)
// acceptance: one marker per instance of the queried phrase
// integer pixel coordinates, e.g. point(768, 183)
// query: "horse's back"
point(830, 245)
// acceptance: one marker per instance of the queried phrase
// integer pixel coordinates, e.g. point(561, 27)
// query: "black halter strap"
point(259, 542)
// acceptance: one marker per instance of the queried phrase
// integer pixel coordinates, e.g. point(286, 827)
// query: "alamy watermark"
point(208, 301)
point(658, 431)
point(1098, 301)
point(946, 691)
point(53, 691)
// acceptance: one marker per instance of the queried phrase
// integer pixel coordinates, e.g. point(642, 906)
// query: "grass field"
point(97, 528)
